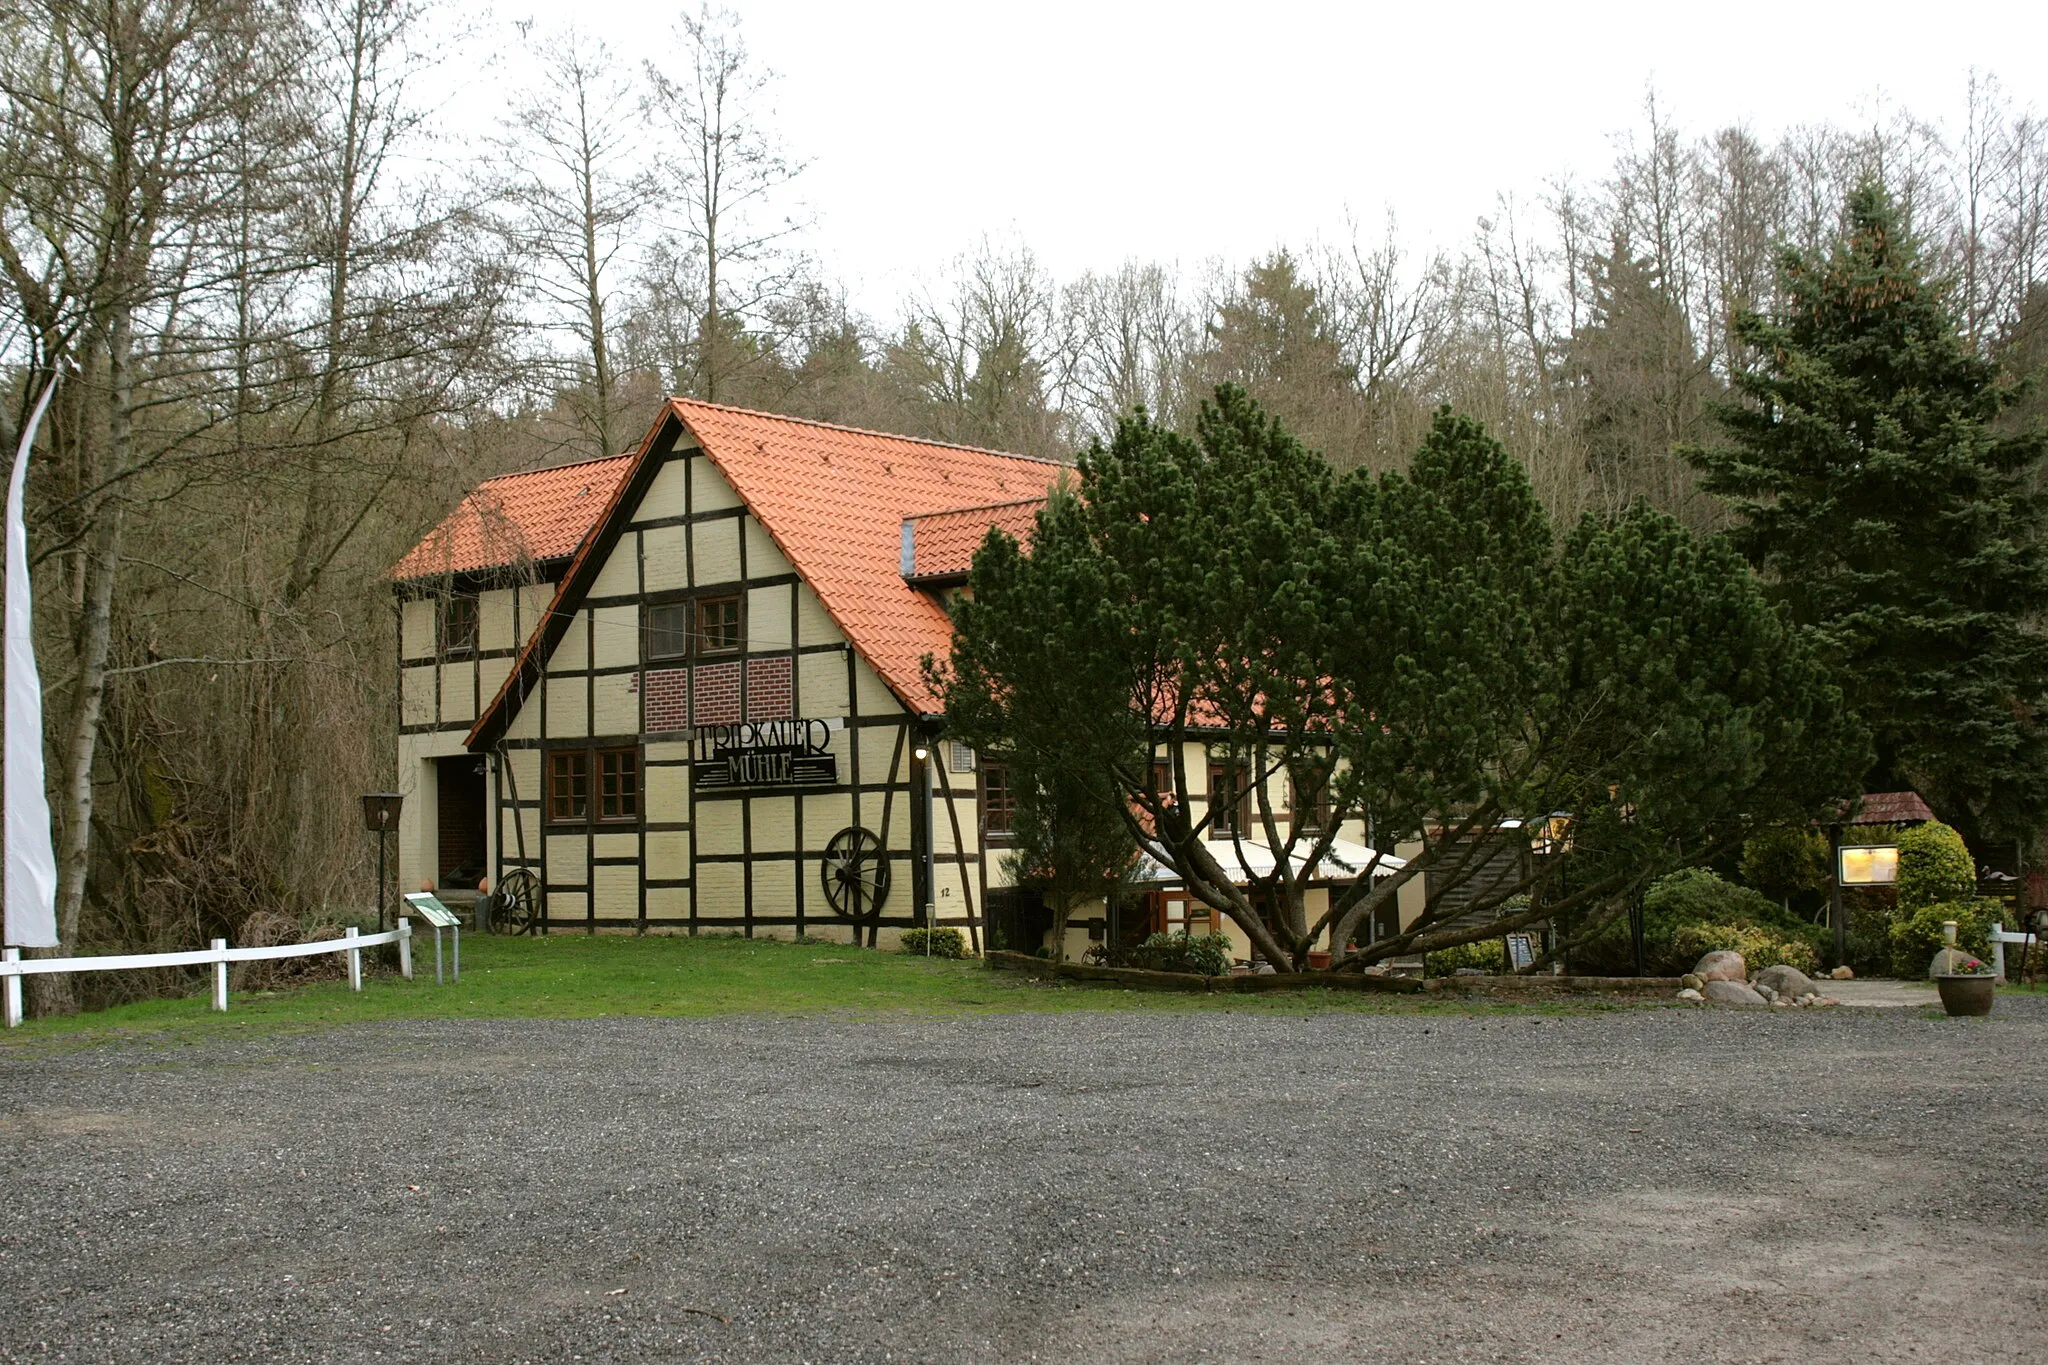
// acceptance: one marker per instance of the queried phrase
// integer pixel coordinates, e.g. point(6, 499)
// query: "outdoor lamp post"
point(923, 753)
point(1856, 865)
point(380, 815)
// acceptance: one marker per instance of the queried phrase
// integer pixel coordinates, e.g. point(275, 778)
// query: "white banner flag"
point(31, 858)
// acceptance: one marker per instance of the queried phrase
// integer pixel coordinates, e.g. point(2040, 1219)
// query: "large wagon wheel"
point(856, 875)
point(518, 903)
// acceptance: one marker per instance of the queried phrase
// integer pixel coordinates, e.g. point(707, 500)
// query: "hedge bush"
point(1692, 912)
point(1761, 946)
point(1488, 954)
point(1935, 868)
point(1916, 934)
point(941, 942)
point(1208, 955)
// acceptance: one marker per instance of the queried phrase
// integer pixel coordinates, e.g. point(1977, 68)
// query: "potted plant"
point(1967, 984)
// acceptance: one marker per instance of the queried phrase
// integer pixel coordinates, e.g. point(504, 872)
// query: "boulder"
point(1690, 982)
point(1842, 973)
point(1722, 966)
point(1724, 992)
point(1789, 982)
point(1689, 993)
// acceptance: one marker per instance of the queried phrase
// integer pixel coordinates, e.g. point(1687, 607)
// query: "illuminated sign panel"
point(1870, 865)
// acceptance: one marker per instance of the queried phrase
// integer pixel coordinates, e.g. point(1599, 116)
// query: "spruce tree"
point(1879, 495)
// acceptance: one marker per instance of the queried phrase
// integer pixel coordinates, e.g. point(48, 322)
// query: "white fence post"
point(11, 988)
point(220, 976)
point(405, 945)
point(355, 960)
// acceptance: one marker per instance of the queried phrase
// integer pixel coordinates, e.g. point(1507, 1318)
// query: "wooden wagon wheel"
point(856, 874)
point(519, 902)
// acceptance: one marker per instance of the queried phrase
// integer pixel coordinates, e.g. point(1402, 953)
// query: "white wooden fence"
point(13, 968)
point(2000, 936)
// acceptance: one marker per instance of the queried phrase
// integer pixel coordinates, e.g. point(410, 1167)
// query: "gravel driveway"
point(1840, 1185)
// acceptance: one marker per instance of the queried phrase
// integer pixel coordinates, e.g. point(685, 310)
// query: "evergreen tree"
point(1877, 493)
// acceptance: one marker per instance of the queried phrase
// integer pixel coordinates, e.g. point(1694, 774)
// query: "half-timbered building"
point(681, 689)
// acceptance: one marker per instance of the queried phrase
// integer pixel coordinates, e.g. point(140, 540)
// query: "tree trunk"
point(53, 994)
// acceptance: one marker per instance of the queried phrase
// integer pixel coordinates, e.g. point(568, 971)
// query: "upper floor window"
point(998, 803)
point(1308, 798)
point(718, 624)
point(1229, 801)
point(455, 623)
point(703, 625)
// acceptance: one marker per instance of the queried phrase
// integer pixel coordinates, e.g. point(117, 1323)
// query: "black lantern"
point(380, 815)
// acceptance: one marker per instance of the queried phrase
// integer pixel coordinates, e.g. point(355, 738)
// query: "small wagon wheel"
point(519, 902)
point(856, 874)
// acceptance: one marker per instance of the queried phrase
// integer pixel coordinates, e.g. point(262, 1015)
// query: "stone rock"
point(1690, 982)
point(1721, 966)
point(1689, 993)
point(1789, 982)
point(1765, 991)
point(1810, 998)
point(1842, 973)
point(1725, 992)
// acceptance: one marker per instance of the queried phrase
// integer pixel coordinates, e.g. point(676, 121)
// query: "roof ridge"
point(551, 469)
point(869, 431)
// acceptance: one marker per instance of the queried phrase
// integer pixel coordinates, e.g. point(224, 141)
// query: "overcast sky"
point(1095, 130)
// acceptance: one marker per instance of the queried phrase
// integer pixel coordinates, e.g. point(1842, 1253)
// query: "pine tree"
point(1879, 496)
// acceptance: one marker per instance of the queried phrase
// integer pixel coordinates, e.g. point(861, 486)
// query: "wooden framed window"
point(718, 625)
point(668, 630)
point(568, 786)
point(588, 786)
point(1229, 801)
point(618, 784)
point(1309, 801)
point(455, 623)
point(998, 802)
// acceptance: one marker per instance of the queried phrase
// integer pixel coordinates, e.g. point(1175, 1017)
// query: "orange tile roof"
point(834, 500)
point(942, 544)
point(516, 519)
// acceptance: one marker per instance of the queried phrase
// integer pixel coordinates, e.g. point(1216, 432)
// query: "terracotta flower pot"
point(1967, 994)
point(1318, 962)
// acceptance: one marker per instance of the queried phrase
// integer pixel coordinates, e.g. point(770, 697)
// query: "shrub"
point(1760, 945)
point(1935, 867)
point(1488, 954)
point(1208, 955)
point(934, 942)
point(1692, 912)
point(1695, 895)
point(1786, 861)
point(1916, 935)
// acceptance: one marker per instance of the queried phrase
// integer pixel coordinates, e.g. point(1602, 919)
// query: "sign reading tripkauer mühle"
point(764, 753)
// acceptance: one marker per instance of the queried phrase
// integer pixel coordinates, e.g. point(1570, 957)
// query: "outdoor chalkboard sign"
point(1521, 951)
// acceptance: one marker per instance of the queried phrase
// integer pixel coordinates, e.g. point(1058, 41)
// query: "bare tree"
point(579, 194)
point(729, 171)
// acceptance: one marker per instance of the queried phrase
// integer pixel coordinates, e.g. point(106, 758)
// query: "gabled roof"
point(834, 500)
point(517, 519)
point(941, 545)
point(1891, 808)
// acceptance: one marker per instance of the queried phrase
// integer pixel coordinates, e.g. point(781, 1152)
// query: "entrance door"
point(461, 822)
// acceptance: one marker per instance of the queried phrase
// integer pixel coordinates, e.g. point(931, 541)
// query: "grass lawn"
point(572, 976)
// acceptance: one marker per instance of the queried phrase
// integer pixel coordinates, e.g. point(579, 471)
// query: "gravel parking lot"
point(1638, 1185)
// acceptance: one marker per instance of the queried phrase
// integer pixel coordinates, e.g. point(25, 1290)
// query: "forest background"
point(296, 320)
